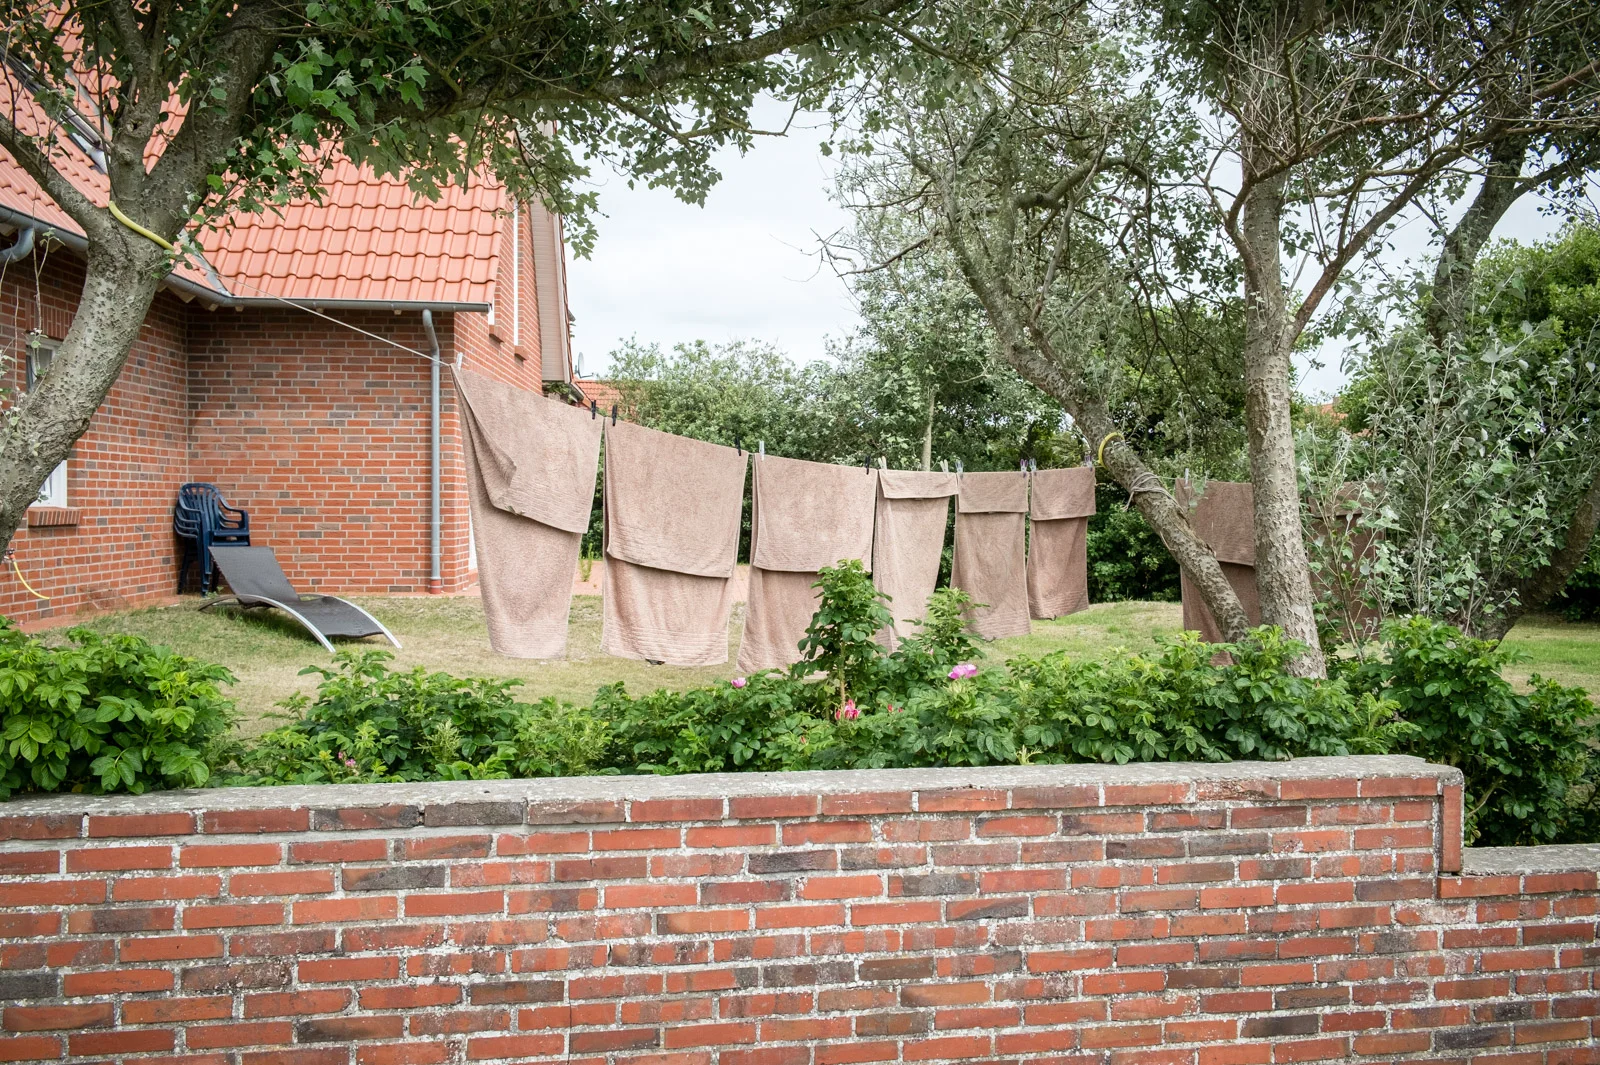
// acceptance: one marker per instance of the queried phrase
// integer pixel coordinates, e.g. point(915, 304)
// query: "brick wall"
point(1204, 915)
point(122, 474)
point(321, 433)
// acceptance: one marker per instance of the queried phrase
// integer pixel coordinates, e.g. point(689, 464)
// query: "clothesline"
point(672, 514)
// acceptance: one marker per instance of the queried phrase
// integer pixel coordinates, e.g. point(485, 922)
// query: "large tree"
point(195, 108)
point(1249, 146)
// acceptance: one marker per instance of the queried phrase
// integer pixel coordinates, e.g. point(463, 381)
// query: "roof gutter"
point(213, 297)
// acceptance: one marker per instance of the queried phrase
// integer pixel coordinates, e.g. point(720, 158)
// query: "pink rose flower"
point(738, 682)
point(963, 671)
point(847, 712)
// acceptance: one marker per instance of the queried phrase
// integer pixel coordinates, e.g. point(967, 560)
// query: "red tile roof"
point(370, 239)
point(604, 394)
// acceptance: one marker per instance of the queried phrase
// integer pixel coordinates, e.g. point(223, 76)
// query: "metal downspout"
point(435, 577)
point(21, 247)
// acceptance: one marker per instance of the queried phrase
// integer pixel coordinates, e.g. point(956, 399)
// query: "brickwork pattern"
point(1208, 920)
point(321, 433)
point(122, 474)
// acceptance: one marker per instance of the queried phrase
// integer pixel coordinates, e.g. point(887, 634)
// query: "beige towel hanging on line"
point(1058, 541)
point(804, 516)
point(1224, 517)
point(531, 465)
point(991, 552)
point(913, 511)
point(672, 509)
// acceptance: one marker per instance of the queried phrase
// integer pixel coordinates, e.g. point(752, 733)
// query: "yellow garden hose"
point(12, 558)
point(116, 212)
point(1100, 453)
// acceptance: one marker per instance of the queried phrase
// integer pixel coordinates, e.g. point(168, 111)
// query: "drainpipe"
point(21, 248)
point(435, 578)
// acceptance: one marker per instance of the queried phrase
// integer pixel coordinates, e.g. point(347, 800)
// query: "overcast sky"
point(745, 265)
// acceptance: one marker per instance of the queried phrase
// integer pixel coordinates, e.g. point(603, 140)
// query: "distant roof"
point(371, 239)
point(604, 394)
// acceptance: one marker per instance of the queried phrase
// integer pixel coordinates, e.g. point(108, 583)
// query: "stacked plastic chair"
point(201, 518)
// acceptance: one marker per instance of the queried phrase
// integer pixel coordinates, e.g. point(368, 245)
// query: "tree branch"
point(32, 159)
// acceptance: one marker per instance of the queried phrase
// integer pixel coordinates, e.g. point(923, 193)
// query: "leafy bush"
point(1127, 559)
point(107, 714)
point(1530, 760)
point(842, 639)
point(370, 723)
point(932, 707)
point(757, 726)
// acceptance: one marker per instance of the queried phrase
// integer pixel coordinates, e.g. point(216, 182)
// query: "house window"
point(41, 350)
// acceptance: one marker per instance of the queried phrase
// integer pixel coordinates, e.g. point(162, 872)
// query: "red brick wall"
point(1203, 915)
point(123, 473)
point(321, 433)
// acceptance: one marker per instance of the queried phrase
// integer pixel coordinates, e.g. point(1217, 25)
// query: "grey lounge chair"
point(256, 579)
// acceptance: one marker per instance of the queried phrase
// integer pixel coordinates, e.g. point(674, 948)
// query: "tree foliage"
point(1480, 452)
point(195, 108)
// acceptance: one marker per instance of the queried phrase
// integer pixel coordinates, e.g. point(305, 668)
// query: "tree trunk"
point(1446, 313)
point(1283, 575)
point(119, 285)
point(1026, 346)
point(927, 432)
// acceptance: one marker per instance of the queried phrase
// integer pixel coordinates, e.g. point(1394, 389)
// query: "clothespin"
point(594, 410)
point(738, 444)
point(866, 463)
point(944, 465)
point(883, 463)
point(958, 466)
point(1033, 465)
point(761, 445)
point(1022, 465)
point(613, 414)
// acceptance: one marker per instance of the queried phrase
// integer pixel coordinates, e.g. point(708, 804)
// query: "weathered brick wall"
point(1206, 915)
point(122, 473)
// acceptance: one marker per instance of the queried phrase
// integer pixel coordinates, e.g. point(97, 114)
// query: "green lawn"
point(266, 652)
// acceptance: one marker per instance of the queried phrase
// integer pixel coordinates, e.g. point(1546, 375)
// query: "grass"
point(267, 652)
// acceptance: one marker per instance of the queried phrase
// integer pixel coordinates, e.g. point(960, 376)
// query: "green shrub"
point(1127, 559)
point(107, 714)
point(370, 723)
point(758, 725)
point(941, 642)
point(1529, 760)
point(842, 639)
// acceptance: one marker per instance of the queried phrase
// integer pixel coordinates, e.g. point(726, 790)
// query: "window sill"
point(47, 517)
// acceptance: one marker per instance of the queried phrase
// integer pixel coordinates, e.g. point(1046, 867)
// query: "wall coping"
point(1511, 861)
point(1239, 779)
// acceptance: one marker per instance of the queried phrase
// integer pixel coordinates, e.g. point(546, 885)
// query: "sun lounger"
point(256, 579)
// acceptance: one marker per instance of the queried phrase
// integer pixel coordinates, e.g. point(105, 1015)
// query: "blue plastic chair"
point(202, 518)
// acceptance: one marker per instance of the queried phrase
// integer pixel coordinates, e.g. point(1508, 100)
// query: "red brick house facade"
point(318, 426)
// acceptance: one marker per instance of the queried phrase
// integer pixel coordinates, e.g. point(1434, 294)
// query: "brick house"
point(306, 415)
